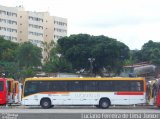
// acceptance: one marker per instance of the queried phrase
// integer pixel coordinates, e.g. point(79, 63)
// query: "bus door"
point(153, 92)
point(16, 92)
point(10, 90)
point(20, 92)
point(3, 91)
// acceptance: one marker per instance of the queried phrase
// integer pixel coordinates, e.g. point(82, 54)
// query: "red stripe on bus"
point(130, 93)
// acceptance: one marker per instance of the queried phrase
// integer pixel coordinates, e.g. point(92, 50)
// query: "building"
point(9, 23)
point(19, 26)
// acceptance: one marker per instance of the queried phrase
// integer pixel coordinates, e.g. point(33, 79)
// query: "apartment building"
point(19, 25)
point(9, 23)
point(60, 27)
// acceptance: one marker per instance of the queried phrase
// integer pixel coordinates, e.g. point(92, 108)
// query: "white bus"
point(101, 92)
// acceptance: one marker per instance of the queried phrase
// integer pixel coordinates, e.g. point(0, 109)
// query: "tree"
point(19, 61)
point(57, 63)
point(151, 52)
point(107, 52)
point(8, 63)
point(47, 46)
point(7, 50)
point(135, 56)
point(29, 55)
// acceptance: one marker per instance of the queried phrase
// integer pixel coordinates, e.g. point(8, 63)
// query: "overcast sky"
point(132, 22)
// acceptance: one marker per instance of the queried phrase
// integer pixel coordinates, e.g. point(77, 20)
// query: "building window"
point(3, 28)
point(60, 30)
point(2, 12)
point(35, 26)
point(35, 19)
point(60, 23)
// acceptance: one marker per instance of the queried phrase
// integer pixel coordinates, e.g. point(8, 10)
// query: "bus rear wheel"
point(104, 103)
point(46, 103)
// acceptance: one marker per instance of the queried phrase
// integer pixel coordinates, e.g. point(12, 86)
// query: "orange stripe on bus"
point(54, 92)
point(130, 93)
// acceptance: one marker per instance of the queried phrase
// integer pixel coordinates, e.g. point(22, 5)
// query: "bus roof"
point(2, 79)
point(10, 79)
point(16, 81)
point(93, 78)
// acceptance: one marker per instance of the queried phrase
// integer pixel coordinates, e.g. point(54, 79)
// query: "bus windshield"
point(1, 86)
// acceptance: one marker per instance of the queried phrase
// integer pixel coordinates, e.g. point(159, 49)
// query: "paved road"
point(79, 109)
point(90, 112)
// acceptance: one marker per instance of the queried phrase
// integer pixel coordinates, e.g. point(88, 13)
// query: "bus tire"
point(45, 103)
point(104, 103)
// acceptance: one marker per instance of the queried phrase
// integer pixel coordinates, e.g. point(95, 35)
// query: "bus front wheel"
point(45, 103)
point(104, 103)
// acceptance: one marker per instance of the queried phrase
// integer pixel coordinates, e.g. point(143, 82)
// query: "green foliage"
point(17, 61)
point(28, 72)
point(107, 52)
point(151, 52)
point(135, 56)
point(57, 63)
point(47, 47)
point(8, 63)
point(29, 55)
point(7, 50)
point(9, 68)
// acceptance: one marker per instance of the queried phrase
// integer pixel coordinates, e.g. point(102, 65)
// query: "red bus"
point(154, 92)
point(3, 91)
point(158, 95)
point(10, 83)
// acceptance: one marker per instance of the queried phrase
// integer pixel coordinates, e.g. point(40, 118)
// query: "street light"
point(91, 60)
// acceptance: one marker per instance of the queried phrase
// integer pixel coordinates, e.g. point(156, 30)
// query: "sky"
point(133, 22)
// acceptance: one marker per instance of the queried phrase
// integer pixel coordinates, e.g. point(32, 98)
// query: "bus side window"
point(9, 86)
point(122, 85)
point(75, 86)
point(43, 86)
point(1, 86)
point(136, 86)
point(58, 86)
point(106, 85)
point(14, 88)
point(90, 85)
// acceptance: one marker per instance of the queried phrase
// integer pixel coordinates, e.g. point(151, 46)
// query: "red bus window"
point(1, 86)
